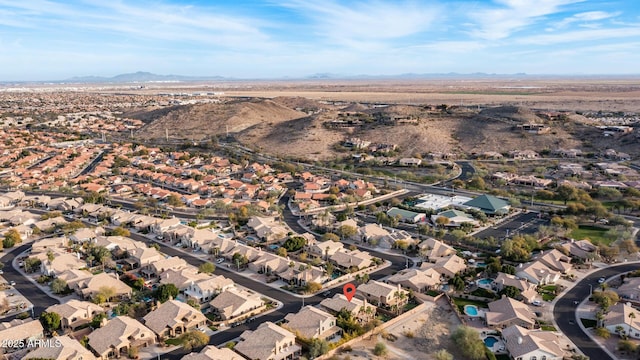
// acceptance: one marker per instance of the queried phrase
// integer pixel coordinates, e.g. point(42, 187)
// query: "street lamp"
point(590, 289)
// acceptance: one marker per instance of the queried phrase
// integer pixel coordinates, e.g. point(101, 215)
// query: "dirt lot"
point(417, 338)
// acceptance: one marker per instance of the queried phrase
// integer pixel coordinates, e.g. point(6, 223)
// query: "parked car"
point(601, 280)
point(536, 303)
point(12, 283)
point(219, 261)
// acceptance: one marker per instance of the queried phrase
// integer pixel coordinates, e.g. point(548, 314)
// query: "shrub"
point(380, 349)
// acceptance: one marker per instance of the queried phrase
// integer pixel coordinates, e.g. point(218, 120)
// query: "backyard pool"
point(471, 310)
point(489, 341)
point(486, 282)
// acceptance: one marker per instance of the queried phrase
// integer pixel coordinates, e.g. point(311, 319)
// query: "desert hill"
point(196, 122)
point(304, 128)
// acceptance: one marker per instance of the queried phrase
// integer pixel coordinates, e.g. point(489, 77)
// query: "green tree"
point(174, 200)
point(193, 303)
point(120, 231)
point(166, 291)
point(312, 287)
point(50, 321)
point(281, 251)
point(510, 291)
point(443, 354)
point(96, 322)
point(330, 237)
point(59, 286)
point(32, 264)
point(193, 339)
point(318, 347)
point(206, 268)
point(105, 293)
point(380, 349)
point(347, 231)
point(627, 346)
point(566, 193)
point(477, 183)
point(468, 341)
point(11, 238)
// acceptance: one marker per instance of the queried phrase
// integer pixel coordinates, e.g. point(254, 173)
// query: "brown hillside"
point(201, 121)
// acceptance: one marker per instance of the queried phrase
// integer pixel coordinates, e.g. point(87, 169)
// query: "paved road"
point(565, 310)
point(524, 223)
point(37, 297)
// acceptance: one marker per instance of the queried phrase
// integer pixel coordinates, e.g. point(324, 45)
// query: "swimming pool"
point(485, 281)
point(489, 341)
point(471, 310)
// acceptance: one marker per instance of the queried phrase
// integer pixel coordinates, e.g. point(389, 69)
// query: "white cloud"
point(500, 23)
point(586, 17)
point(581, 35)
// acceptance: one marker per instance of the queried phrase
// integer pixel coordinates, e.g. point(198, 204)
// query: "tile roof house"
point(527, 289)
point(312, 323)
point(455, 218)
point(506, 312)
point(345, 259)
point(371, 232)
point(416, 279)
point(623, 315)
point(432, 249)
point(91, 286)
point(538, 273)
point(213, 353)
point(20, 330)
point(145, 256)
point(74, 313)
point(380, 293)
point(360, 309)
point(582, 249)
point(522, 343)
point(182, 278)
point(61, 263)
point(267, 228)
point(268, 342)
point(206, 289)
point(65, 348)
point(233, 303)
point(447, 266)
point(173, 318)
point(325, 248)
point(630, 288)
point(556, 260)
point(118, 335)
point(489, 204)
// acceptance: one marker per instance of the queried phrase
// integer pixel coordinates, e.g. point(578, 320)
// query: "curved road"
point(565, 310)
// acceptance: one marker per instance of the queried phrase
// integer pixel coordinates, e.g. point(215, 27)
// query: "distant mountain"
point(140, 77)
point(329, 76)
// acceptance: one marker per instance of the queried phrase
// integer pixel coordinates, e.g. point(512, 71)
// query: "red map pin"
point(349, 290)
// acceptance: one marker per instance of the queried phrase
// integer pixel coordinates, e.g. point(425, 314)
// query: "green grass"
point(172, 342)
point(549, 288)
point(589, 323)
point(548, 328)
point(593, 233)
point(483, 293)
point(548, 297)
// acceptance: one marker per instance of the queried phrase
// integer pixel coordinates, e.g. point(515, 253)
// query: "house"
point(268, 342)
point(537, 273)
point(623, 318)
point(527, 289)
point(326, 249)
point(630, 289)
point(206, 289)
point(525, 344)
point(164, 225)
point(416, 280)
point(170, 263)
point(46, 244)
point(409, 162)
point(506, 312)
point(269, 264)
point(65, 348)
point(380, 293)
point(489, 204)
point(555, 260)
point(431, 249)
point(234, 303)
point(145, 256)
point(455, 218)
point(88, 288)
point(213, 353)
point(313, 323)
point(182, 278)
point(360, 309)
point(406, 215)
point(15, 331)
point(117, 336)
point(447, 266)
point(348, 259)
point(267, 228)
point(85, 235)
point(396, 237)
point(372, 233)
point(74, 313)
point(582, 249)
point(61, 263)
point(173, 318)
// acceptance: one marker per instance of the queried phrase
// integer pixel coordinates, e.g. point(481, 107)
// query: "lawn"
point(483, 293)
point(548, 292)
point(593, 233)
point(172, 342)
point(589, 323)
point(547, 328)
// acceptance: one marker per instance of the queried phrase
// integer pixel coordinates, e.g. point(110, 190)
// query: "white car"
point(219, 261)
point(601, 280)
point(1, 272)
point(12, 283)
point(536, 303)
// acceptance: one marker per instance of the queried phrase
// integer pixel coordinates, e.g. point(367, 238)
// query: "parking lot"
point(524, 223)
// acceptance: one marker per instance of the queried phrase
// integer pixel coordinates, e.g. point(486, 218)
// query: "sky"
point(56, 40)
